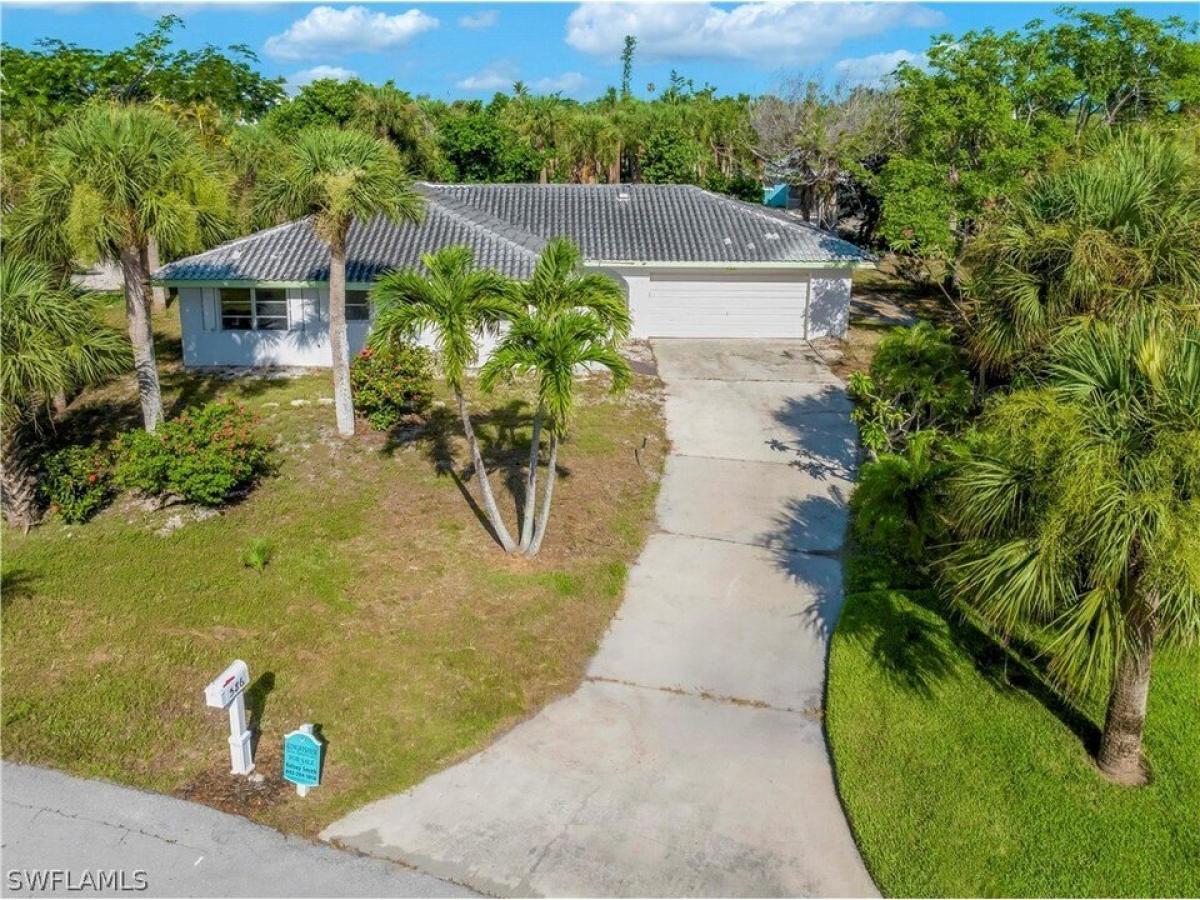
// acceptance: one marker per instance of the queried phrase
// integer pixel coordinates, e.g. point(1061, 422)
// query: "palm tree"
point(52, 340)
point(456, 303)
point(116, 178)
point(1107, 238)
point(336, 177)
point(391, 115)
point(251, 152)
point(1078, 514)
point(570, 319)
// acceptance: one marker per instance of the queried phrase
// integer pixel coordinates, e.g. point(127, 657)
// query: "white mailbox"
point(227, 686)
point(228, 691)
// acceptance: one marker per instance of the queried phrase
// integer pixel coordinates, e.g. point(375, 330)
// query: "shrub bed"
point(391, 383)
point(204, 456)
point(77, 481)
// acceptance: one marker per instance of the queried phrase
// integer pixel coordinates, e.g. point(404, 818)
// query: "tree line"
point(908, 166)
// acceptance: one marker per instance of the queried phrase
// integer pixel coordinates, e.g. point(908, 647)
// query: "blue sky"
point(450, 50)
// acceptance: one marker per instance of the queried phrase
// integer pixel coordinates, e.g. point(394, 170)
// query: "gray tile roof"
point(507, 224)
point(640, 223)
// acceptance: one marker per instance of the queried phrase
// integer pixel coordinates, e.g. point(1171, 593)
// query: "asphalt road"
point(85, 830)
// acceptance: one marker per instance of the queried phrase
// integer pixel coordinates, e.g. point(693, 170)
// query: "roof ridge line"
point(753, 210)
point(255, 235)
point(482, 219)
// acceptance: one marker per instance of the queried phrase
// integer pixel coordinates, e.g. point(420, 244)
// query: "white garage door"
point(732, 305)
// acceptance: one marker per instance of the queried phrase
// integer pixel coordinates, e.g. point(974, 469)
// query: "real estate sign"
point(302, 753)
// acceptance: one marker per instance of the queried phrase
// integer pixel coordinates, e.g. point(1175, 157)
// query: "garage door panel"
point(722, 306)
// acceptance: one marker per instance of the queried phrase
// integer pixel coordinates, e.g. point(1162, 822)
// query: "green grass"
point(385, 612)
point(964, 775)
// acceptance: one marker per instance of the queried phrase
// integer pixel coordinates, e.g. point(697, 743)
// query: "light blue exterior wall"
point(305, 343)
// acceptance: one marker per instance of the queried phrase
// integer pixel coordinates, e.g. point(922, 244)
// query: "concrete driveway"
point(691, 761)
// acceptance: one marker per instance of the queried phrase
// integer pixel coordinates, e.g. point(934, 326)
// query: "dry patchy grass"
point(387, 614)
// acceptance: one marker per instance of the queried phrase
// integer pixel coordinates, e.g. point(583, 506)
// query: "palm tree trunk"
point(18, 484)
point(1120, 755)
point(485, 483)
point(338, 341)
point(530, 510)
point(158, 294)
point(551, 477)
point(141, 335)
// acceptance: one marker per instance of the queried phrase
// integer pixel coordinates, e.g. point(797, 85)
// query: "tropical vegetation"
point(113, 179)
point(1027, 568)
point(52, 340)
point(458, 304)
point(568, 323)
point(338, 177)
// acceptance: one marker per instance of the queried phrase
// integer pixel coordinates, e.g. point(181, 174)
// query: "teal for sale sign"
point(302, 753)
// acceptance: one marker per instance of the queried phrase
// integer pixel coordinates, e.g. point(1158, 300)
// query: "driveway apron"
point(692, 760)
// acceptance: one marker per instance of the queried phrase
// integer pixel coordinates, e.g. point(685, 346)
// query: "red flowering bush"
point(76, 482)
point(391, 383)
point(204, 456)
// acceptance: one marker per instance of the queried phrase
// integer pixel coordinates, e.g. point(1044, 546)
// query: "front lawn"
point(386, 614)
point(963, 775)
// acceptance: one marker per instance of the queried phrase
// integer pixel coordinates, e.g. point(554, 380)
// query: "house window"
point(254, 309)
point(358, 307)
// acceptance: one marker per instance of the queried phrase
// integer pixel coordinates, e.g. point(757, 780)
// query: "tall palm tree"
point(1079, 516)
point(114, 179)
point(51, 341)
point(569, 319)
point(457, 303)
point(1107, 238)
point(336, 177)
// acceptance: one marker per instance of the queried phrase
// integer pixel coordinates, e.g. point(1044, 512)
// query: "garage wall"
point(829, 302)
point(305, 344)
point(751, 303)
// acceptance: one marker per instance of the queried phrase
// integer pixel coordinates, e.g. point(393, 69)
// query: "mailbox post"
point(228, 691)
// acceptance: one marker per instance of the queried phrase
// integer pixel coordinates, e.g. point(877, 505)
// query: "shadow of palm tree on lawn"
point(504, 433)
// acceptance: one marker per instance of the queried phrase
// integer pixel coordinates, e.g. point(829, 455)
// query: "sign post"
point(228, 691)
point(302, 753)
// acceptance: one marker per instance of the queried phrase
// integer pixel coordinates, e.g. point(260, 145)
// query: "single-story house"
point(694, 264)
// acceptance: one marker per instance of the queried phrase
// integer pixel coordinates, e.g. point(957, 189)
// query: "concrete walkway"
point(691, 762)
point(82, 828)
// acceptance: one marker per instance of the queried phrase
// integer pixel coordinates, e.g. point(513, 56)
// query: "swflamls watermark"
point(36, 881)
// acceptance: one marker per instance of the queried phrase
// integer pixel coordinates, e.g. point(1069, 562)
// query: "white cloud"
point(355, 29)
point(500, 76)
point(485, 19)
point(316, 73)
point(497, 76)
point(769, 33)
point(875, 69)
point(566, 83)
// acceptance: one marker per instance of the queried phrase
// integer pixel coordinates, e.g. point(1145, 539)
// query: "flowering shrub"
point(77, 481)
point(391, 383)
point(204, 456)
